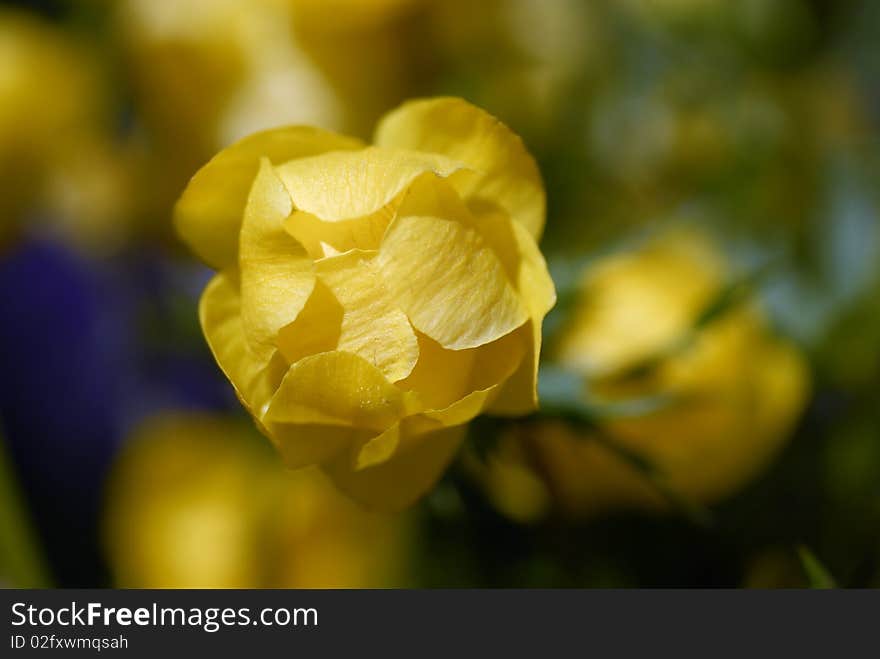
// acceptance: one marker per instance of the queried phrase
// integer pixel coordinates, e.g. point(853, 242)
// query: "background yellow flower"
point(726, 390)
point(56, 155)
point(209, 72)
point(195, 501)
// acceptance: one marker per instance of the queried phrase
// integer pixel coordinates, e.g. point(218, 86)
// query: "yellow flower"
point(206, 73)
point(541, 51)
point(195, 502)
point(374, 299)
point(734, 390)
point(51, 105)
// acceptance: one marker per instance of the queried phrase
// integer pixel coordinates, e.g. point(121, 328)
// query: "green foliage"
point(818, 575)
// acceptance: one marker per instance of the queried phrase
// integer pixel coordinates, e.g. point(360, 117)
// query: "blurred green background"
point(710, 386)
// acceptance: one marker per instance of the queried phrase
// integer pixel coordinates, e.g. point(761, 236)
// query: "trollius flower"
point(373, 299)
point(733, 388)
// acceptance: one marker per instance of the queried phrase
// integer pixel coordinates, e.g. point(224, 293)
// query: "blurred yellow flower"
point(51, 109)
point(539, 50)
point(206, 73)
point(734, 390)
point(195, 502)
point(210, 71)
point(374, 299)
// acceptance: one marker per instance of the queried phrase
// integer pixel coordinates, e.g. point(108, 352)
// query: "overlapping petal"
point(519, 394)
point(507, 176)
point(277, 275)
point(317, 328)
point(373, 326)
point(482, 372)
point(253, 378)
point(337, 388)
point(395, 484)
point(301, 445)
point(209, 212)
point(455, 365)
point(432, 265)
point(323, 239)
point(343, 185)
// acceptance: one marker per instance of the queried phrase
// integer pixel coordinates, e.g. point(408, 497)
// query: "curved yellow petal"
point(254, 379)
point(336, 388)
point(492, 365)
point(399, 481)
point(323, 239)
point(430, 195)
point(463, 371)
point(373, 327)
point(514, 246)
point(209, 212)
point(498, 360)
point(316, 329)
point(301, 445)
point(506, 174)
point(449, 282)
point(463, 410)
point(277, 276)
point(439, 391)
point(378, 449)
point(519, 395)
point(533, 280)
point(343, 185)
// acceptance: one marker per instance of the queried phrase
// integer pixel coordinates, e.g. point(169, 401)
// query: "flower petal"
point(506, 174)
point(493, 365)
point(316, 329)
point(337, 388)
point(378, 449)
point(455, 366)
point(311, 444)
point(343, 185)
point(277, 276)
point(487, 368)
point(449, 282)
point(373, 327)
point(364, 233)
point(208, 213)
point(399, 481)
point(519, 395)
point(254, 379)
point(463, 371)
point(534, 282)
point(512, 243)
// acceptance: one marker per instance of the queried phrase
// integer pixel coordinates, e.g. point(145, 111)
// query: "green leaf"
point(692, 511)
point(817, 574)
point(729, 298)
